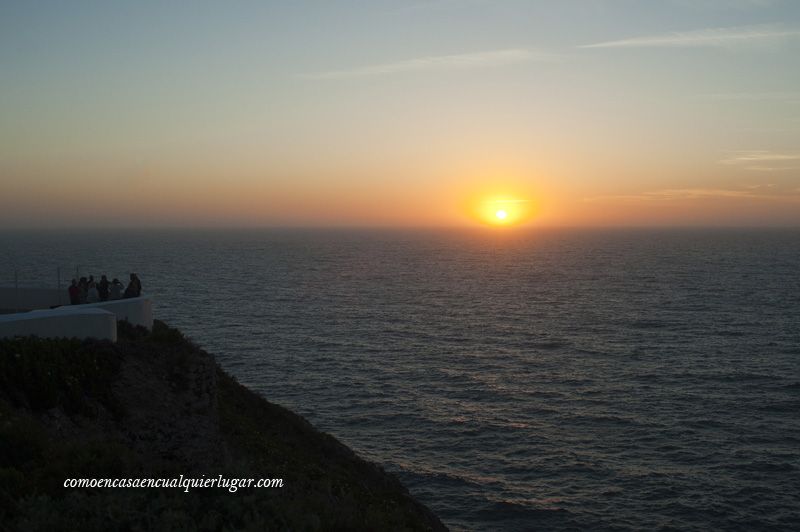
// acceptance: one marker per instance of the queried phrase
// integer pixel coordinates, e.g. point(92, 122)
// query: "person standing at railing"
point(102, 288)
point(134, 287)
point(74, 293)
point(116, 289)
point(92, 296)
point(83, 287)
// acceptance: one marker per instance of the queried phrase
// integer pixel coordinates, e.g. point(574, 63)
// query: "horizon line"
point(330, 228)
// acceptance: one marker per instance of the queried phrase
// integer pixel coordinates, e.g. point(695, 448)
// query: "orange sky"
point(585, 113)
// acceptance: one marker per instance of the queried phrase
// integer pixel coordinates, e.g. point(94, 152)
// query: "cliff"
point(154, 405)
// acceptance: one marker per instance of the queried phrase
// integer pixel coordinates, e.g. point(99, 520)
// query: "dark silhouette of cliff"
point(155, 405)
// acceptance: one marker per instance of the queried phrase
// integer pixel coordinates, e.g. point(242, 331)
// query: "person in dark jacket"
point(102, 288)
point(83, 286)
point(74, 293)
point(134, 287)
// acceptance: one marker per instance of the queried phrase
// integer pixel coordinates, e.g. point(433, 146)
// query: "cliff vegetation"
point(154, 405)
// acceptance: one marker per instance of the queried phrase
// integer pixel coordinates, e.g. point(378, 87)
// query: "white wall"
point(137, 310)
point(63, 322)
point(89, 320)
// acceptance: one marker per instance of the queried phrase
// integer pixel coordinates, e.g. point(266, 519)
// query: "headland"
point(155, 406)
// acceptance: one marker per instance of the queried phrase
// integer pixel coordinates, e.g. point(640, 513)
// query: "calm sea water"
point(512, 380)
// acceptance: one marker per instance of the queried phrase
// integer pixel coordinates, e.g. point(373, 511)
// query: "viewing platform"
point(46, 313)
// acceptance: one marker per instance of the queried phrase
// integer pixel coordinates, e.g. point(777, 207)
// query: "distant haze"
point(398, 113)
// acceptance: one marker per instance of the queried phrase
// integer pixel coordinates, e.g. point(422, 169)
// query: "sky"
point(388, 113)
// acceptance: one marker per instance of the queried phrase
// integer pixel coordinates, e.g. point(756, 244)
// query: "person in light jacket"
point(116, 289)
point(92, 295)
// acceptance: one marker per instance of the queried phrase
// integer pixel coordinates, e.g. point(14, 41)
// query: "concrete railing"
point(63, 322)
point(26, 311)
point(136, 310)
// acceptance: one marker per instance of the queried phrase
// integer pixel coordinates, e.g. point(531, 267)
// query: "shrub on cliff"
point(154, 405)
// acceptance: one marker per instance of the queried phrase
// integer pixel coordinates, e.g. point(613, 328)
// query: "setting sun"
point(500, 209)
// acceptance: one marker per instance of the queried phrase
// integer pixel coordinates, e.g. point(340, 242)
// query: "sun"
point(505, 211)
point(500, 209)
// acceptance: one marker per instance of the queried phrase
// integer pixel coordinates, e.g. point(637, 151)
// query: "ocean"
point(513, 380)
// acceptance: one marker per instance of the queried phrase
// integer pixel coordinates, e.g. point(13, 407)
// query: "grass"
point(61, 418)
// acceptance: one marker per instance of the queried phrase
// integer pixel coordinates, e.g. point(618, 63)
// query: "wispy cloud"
point(711, 37)
point(511, 201)
point(725, 4)
point(763, 160)
point(678, 193)
point(773, 168)
point(749, 157)
point(768, 191)
point(492, 58)
point(430, 5)
point(752, 96)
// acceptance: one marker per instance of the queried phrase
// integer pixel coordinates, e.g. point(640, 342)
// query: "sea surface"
point(513, 380)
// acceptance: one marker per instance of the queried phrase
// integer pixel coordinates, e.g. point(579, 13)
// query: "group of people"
point(88, 291)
